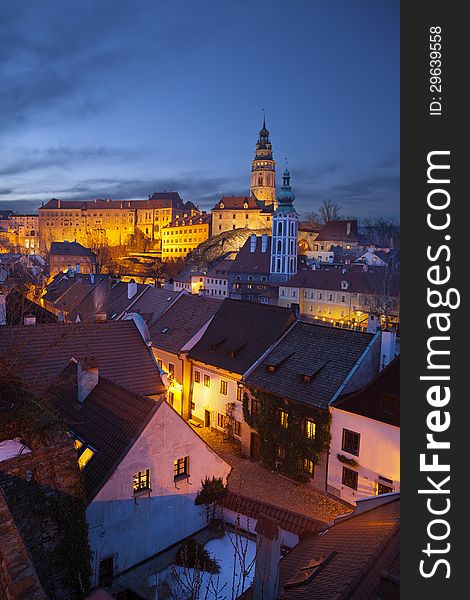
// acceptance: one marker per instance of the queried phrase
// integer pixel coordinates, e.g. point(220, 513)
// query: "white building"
point(142, 464)
point(284, 234)
point(216, 280)
point(365, 439)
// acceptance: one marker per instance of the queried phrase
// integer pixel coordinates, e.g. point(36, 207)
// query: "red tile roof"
point(337, 231)
point(40, 353)
point(190, 220)
point(70, 249)
point(365, 544)
point(288, 520)
point(238, 203)
point(360, 282)
point(253, 262)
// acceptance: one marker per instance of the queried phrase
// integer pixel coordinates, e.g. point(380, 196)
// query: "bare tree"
point(329, 211)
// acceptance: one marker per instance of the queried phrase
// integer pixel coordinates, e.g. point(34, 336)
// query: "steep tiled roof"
point(237, 203)
point(157, 200)
point(182, 321)
point(324, 355)
point(360, 282)
point(253, 262)
point(240, 333)
point(110, 420)
point(152, 303)
point(221, 269)
point(337, 231)
point(288, 520)
point(40, 353)
point(190, 220)
point(358, 549)
point(70, 249)
point(18, 306)
point(71, 297)
point(369, 401)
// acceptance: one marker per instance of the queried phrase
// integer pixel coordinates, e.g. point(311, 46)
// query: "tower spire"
point(263, 168)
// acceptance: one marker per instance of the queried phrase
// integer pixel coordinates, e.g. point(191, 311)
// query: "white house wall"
point(379, 454)
point(135, 528)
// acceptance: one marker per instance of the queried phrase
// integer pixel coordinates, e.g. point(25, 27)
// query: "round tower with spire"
point(263, 169)
point(285, 226)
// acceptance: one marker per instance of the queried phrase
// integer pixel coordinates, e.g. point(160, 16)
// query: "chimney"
point(131, 289)
point(71, 272)
point(29, 319)
point(264, 242)
point(348, 228)
point(268, 542)
point(388, 345)
point(77, 267)
point(87, 377)
point(92, 278)
point(58, 203)
point(3, 310)
point(253, 243)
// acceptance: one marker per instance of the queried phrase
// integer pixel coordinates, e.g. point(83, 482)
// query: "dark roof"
point(152, 303)
point(253, 262)
point(358, 549)
point(190, 220)
point(288, 520)
point(368, 401)
point(182, 321)
point(237, 203)
point(108, 297)
point(157, 200)
point(69, 299)
point(61, 282)
point(337, 231)
point(326, 355)
point(360, 282)
point(240, 333)
point(18, 307)
point(70, 249)
point(221, 269)
point(110, 420)
point(41, 352)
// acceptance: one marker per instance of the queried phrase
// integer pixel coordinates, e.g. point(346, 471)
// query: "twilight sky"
point(117, 99)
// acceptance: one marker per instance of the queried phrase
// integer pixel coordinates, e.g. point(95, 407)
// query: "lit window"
point(181, 468)
point(85, 457)
point(207, 381)
point(141, 481)
point(283, 418)
point(221, 419)
point(310, 429)
point(223, 387)
point(308, 467)
point(197, 376)
point(171, 370)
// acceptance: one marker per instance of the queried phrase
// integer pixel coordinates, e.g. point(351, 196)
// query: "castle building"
point(284, 234)
point(263, 169)
point(240, 212)
point(183, 235)
point(113, 222)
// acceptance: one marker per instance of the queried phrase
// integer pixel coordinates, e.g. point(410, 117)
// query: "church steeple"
point(263, 169)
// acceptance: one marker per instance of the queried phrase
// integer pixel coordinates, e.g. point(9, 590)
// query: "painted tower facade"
point(284, 234)
point(263, 169)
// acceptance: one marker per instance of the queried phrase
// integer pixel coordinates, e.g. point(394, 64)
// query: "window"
point(255, 407)
point(240, 393)
point(310, 429)
point(237, 428)
point(171, 398)
point(193, 406)
point(141, 482)
point(389, 404)
point(160, 364)
point(207, 381)
point(351, 442)
point(221, 420)
point(181, 468)
point(197, 377)
point(308, 466)
point(171, 370)
point(349, 478)
point(283, 418)
point(223, 387)
point(85, 456)
point(280, 453)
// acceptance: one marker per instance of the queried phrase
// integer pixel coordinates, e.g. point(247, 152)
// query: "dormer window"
point(221, 205)
point(344, 285)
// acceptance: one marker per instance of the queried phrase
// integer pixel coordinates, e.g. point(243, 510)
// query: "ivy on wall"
point(292, 438)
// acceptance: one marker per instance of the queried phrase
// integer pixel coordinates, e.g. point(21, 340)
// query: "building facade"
point(184, 234)
point(240, 212)
point(285, 229)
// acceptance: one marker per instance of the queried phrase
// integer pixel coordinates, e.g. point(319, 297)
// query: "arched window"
point(279, 246)
point(279, 228)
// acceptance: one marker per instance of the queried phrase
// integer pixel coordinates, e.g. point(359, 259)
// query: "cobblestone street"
point(251, 479)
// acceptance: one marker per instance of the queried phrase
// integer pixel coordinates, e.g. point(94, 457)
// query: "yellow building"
point(184, 234)
point(21, 231)
point(110, 222)
point(338, 297)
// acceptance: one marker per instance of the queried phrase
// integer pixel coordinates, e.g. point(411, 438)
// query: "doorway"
point(254, 446)
point(207, 418)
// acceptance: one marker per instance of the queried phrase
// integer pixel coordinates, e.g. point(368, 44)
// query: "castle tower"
point(263, 169)
point(284, 234)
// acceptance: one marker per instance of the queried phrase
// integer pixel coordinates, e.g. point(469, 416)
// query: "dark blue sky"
point(111, 98)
